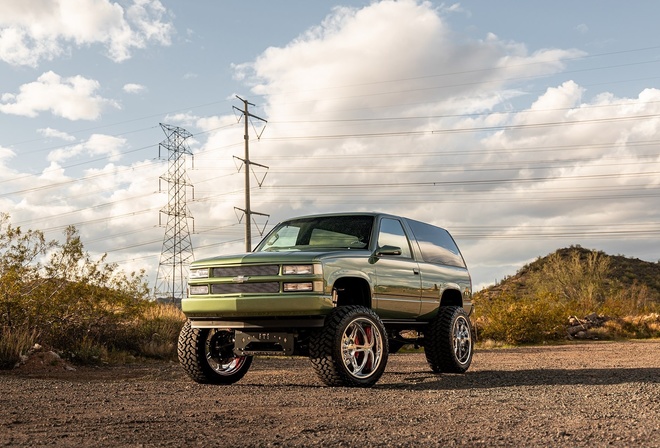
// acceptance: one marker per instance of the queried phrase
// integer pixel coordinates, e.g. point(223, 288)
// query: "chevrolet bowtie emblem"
point(241, 279)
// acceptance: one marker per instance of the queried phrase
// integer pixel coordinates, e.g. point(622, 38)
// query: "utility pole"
point(248, 212)
point(177, 249)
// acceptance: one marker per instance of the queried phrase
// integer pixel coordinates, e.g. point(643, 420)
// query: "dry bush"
point(15, 343)
point(87, 350)
point(578, 278)
point(158, 330)
point(629, 301)
point(520, 321)
point(81, 307)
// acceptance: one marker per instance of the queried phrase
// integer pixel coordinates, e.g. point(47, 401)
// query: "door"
point(397, 293)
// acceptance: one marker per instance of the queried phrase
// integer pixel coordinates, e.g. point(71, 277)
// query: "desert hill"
point(621, 271)
point(572, 293)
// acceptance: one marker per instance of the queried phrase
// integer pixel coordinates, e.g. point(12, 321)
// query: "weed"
point(14, 343)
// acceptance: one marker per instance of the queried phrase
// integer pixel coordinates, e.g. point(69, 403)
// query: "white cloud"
point(454, 8)
point(42, 30)
point(391, 52)
point(134, 88)
point(5, 154)
point(54, 133)
point(96, 145)
point(181, 119)
point(378, 108)
point(384, 97)
point(73, 98)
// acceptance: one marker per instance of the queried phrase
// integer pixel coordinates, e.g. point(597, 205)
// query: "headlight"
point(316, 286)
point(199, 273)
point(301, 269)
point(293, 287)
point(199, 290)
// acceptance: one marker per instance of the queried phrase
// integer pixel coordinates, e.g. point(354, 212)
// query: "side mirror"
point(388, 250)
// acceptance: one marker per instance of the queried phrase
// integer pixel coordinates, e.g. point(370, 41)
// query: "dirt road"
point(596, 394)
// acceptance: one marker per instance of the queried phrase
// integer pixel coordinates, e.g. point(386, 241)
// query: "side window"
point(436, 244)
point(392, 234)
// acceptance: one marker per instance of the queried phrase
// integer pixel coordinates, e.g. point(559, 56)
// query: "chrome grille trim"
point(245, 271)
point(245, 288)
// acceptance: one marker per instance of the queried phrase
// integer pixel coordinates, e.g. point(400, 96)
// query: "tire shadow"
point(487, 379)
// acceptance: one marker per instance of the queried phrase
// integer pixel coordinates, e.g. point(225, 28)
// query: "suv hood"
point(278, 257)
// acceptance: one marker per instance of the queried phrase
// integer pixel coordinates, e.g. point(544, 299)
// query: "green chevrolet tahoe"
point(344, 289)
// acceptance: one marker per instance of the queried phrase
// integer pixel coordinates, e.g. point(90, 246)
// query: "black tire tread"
point(187, 351)
point(438, 346)
point(190, 351)
point(322, 349)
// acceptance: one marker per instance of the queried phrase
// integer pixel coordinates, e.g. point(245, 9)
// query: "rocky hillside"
point(573, 293)
point(622, 271)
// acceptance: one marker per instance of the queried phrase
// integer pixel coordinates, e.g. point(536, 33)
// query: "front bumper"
point(251, 306)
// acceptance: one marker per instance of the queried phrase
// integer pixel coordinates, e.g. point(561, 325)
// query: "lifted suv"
point(344, 289)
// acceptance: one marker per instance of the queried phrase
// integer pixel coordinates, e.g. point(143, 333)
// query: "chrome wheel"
point(207, 355)
point(362, 347)
point(219, 351)
point(351, 349)
point(462, 340)
point(448, 343)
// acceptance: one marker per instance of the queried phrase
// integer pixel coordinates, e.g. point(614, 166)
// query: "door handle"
point(416, 271)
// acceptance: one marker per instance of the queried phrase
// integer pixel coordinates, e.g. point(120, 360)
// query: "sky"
point(521, 127)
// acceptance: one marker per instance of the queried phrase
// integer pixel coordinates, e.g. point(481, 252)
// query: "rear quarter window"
point(436, 244)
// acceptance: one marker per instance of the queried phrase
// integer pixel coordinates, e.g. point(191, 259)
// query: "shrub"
point(81, 307)
point(520, 321)
point(15, 343)
point(157, 330)
point(87, 350)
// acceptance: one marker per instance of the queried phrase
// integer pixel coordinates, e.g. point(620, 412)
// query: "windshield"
point(327, 232)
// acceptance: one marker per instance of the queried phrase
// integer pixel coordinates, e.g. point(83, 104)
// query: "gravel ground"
point(595, 394)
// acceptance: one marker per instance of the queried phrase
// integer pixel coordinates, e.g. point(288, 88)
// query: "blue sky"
point(521, 127)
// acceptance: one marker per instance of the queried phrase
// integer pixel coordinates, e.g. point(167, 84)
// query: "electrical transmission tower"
point(248, 212)
point(177, 250)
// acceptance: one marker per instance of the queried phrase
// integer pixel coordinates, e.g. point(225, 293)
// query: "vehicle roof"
point(324, 215)
point(374, 214)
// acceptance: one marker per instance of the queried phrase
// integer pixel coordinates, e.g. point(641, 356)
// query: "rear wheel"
point(207, 355)
point(449, 343)
point(351, 349)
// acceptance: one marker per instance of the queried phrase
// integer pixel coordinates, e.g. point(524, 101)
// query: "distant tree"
point(19, 272)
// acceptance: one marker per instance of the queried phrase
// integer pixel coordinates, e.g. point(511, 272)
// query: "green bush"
point(516, 321)
point(55, 294)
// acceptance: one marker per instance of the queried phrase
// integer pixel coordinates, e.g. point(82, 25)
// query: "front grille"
point(246, 288)
point(246, 271)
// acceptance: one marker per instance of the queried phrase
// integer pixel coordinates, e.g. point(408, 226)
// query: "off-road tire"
point(207, 356)
point(448, 341)
point(351, 348)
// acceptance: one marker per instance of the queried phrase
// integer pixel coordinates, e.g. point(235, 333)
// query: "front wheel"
point(449, 343)
point(207, 355)
point(351, 349)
